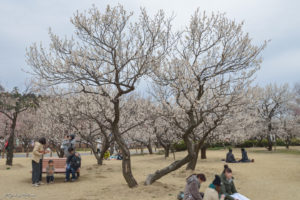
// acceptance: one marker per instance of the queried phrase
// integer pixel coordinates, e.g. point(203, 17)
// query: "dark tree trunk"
point(165, 145)
point(175, 165)
point(173, 151)
point(100, 157)
point(167, 150)
point(112, 148)
point(59, 151)
point(10, 151)
point(149, 147)
point(192, 164)
point(27, 150)
point(203, 152)
point(126, 162)
point(287, 142)
point(270, 142)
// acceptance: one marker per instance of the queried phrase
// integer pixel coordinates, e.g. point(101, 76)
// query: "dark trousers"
point(50, 179)
point(41, 169)
point(70, 170)
point(36, 172)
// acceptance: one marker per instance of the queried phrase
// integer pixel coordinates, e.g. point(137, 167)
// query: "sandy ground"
point(273, 176)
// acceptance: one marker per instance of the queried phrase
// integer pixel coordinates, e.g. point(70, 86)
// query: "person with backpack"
point(213, 191)
point(73, 163)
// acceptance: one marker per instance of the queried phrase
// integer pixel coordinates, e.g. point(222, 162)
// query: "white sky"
point(24, 22)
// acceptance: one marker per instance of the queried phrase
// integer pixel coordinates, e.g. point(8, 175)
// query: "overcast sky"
point(23, 22)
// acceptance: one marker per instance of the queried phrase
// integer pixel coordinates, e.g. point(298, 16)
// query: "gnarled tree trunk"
point(270, 142)
point(175, 165)
point(105, 147)
point(167, 150)
point(166, 146)
point(192, 164)
point(149, 147)
point(203, 152)
point(59, 151)
point(126, 162)
point(10, 150)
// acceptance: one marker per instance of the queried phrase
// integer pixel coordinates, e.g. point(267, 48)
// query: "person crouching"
point(192, 187)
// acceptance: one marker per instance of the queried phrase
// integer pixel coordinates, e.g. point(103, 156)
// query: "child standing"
point(50, 172)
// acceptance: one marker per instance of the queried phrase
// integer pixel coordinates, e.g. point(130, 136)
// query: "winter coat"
point(211, 193)
point(230, 158)
point(244, 157)
point(192, 187)
point(227, 187)
point(48, 169)
point(36, 155)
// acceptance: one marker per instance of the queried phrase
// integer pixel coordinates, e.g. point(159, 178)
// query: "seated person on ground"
point(73, 163)
point(213, 191)
point(192, 187)
point(230, 157)
point(119, 155)
point(106, 155)
point(227, 186)
point(245, 156)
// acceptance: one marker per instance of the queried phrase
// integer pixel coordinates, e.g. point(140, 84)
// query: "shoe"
point(51, 182)
point(73, 180)
point(41, 183)
point(67, 180)
point(35, 185)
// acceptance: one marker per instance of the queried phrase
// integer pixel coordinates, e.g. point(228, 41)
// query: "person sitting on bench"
point(230, 157)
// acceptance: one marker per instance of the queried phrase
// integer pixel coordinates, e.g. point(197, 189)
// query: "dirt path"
point(271, 177)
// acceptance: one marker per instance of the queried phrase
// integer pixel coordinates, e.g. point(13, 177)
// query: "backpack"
point(6, 145)
point(75, 162)
point(180, 196)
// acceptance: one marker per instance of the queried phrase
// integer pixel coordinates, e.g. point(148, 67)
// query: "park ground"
point(273, 176)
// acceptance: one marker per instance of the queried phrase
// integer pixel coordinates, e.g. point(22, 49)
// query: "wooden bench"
point(59, 165)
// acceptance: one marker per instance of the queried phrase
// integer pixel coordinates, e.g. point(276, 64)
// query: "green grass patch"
point(284, 151)
point(219, 148)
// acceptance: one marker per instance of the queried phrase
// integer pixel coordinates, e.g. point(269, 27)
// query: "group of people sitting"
point(73, 161)
point(221, 188)
point(231, 159)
